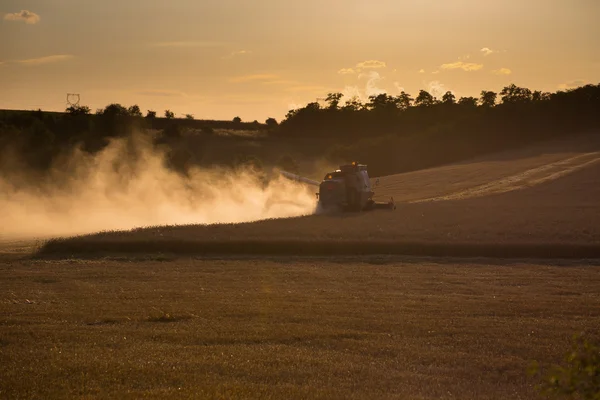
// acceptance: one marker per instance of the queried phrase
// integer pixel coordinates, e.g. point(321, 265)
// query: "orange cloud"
point(371, 64)
point(45, 60)
point(346, 71)
point(26, 16)
point(237, 53)
point(462, 65)
point(572, 84)
point(487, 51)
point(502, 71)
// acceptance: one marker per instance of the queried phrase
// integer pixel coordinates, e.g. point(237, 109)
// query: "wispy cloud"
point(487, 51)
point(237, 53)
point(253, 78)
point(502, 71)
point(437, 89)
point(25, 16)
point(572, 84)
point(346, 71)
point(465, 66)
point(371, 64)
point(371, 88)
point(161, 93)
point(188, 44)
point(45, 60)
point(363, 66)
point(421, 71)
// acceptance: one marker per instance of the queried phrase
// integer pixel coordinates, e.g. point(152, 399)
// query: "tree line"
point(390, 133)
point(401, 133)
point(39, 137)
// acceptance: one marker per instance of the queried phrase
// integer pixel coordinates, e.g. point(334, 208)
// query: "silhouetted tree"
point(467, 101)
point(353, 104)
point(189, 116)
point(78, 110)
point(514, 94)
point(540, 96)
point(134, 111)
point(169, 114)
point(271, 122)
point(314, 106)
point(237, 120)
point(424, 99)
point(334, 100)
point(382, 102)
point(115, 110)
point(488, 98)
point(151, 114)
point(404, 101)
point(448, 98)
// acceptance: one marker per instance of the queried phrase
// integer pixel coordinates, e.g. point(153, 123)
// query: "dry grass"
point(286, 328)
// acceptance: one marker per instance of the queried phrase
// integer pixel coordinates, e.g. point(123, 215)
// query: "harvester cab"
point(347, 188)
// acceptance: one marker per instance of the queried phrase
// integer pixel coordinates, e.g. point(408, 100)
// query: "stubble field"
point(287, 328)
point(189, 312)
point(539, 202)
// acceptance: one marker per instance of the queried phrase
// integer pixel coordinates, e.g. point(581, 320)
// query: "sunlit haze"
point(217, 59)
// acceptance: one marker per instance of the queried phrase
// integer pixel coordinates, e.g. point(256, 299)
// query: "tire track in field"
point(529, 178)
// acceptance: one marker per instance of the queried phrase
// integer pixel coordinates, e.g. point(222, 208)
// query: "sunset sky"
point(219, 59)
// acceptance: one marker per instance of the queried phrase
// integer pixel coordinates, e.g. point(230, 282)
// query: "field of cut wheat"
point(333, 328)
point(502, 206)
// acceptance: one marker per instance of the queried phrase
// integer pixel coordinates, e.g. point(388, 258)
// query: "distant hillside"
point(158, 121)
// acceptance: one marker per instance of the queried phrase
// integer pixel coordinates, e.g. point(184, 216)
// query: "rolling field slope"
point(498, 173)
point(543, 197)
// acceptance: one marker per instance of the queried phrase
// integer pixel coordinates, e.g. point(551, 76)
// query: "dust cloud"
point(127, 185)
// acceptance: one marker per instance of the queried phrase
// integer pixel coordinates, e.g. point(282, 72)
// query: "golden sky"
point(257, 59)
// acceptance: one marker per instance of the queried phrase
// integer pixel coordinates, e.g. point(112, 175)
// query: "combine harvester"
point(346, 189)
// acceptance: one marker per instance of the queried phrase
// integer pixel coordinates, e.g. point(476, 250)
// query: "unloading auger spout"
point(299, 178)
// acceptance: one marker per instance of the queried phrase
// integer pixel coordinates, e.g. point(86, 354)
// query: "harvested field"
point(493, 174)
point(286, 328)
point(553, 213)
